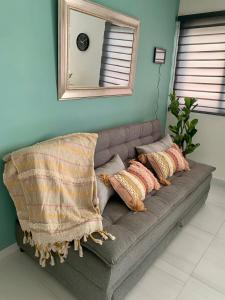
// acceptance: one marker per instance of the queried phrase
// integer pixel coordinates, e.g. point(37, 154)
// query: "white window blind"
point(200, 68)
point(117, 56)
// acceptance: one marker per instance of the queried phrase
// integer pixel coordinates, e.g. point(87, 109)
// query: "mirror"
point(97, 50)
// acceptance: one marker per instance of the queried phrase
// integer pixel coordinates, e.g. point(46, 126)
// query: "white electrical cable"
point(158, 93)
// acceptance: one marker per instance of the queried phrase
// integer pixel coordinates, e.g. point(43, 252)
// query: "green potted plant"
point(185, 128)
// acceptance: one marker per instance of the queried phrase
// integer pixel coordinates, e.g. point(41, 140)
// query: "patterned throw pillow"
point(138, 169)
point(130, 188)
point(166, 163)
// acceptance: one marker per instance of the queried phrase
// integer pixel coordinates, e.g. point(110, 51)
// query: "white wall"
point(211, 134)
point(188, 7)
point(85, 66)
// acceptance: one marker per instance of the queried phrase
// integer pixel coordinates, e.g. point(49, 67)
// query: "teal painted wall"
point(29, 110)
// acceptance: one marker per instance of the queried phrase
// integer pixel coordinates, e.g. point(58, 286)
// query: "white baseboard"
point(218, 181)
point(9, 250)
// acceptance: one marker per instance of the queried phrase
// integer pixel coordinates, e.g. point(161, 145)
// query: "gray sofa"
point(110, 271)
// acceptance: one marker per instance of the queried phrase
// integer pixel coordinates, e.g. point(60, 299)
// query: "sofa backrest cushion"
point(123, 140)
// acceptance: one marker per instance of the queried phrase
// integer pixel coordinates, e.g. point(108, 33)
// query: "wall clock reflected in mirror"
point(83, 41)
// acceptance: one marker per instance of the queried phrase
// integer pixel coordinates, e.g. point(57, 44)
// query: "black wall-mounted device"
point(159, 55)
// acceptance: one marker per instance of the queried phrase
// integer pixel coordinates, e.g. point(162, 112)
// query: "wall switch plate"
point(159, 56)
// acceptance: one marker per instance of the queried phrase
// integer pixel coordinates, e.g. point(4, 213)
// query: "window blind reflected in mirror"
point(117, 55)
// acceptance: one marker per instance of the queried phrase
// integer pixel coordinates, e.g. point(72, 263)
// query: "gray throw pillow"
point(161, 145)
point(105, 192)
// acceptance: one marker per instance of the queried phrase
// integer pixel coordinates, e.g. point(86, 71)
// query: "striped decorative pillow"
point(130, 188)
point(181, 163)
point(138, 169)
point(166, 163)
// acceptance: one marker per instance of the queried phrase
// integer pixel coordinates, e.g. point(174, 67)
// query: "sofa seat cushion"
point(130, 227)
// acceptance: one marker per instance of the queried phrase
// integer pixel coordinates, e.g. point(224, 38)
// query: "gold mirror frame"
point(93, 9)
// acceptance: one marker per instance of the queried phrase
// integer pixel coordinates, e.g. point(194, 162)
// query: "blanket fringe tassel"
point(47, 253)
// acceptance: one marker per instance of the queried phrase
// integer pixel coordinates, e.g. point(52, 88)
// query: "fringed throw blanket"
point(53, 186)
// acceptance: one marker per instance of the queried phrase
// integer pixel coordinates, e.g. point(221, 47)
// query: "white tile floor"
point(191, 268)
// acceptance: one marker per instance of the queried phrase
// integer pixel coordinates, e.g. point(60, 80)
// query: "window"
point(200, 68)
point(117, 56)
